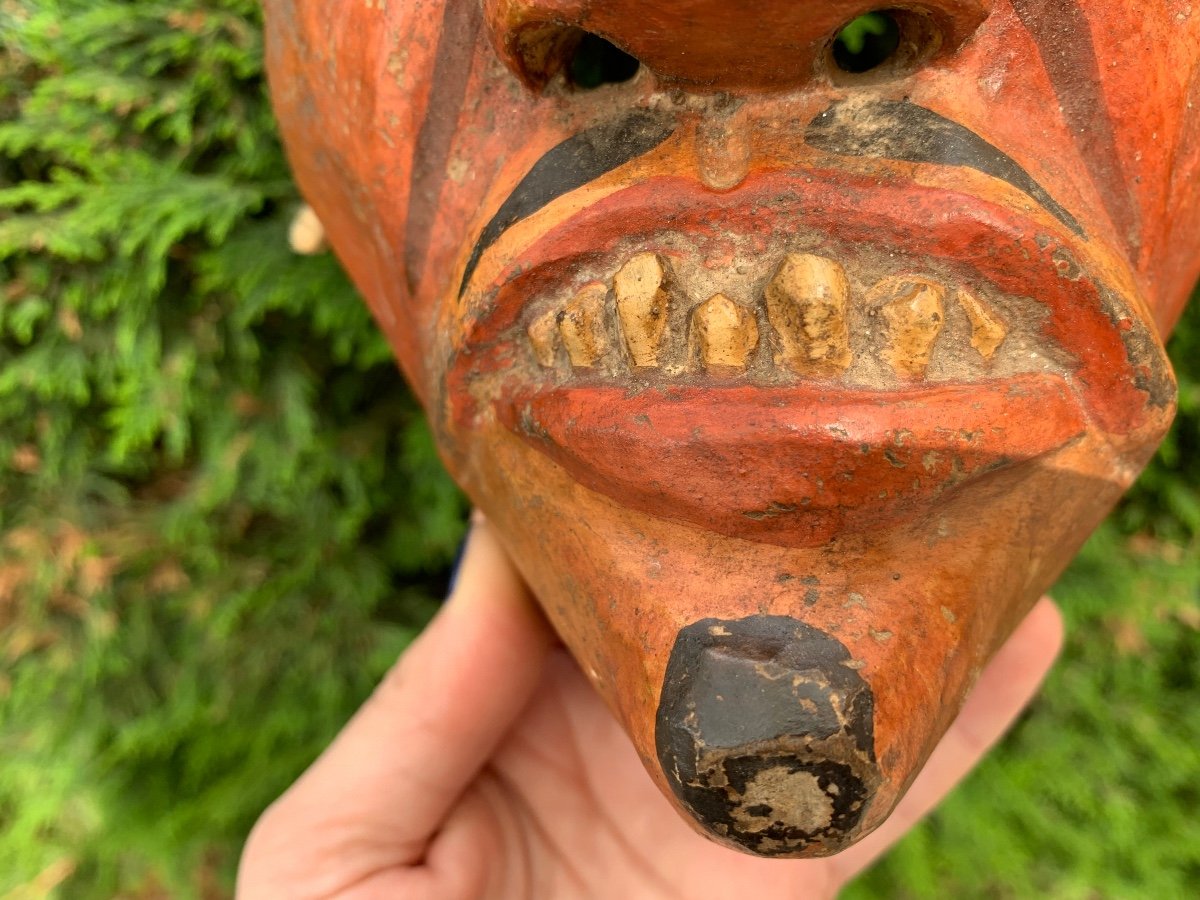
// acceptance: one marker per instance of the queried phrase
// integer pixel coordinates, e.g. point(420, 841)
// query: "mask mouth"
point(811, 351)
point(762, 392)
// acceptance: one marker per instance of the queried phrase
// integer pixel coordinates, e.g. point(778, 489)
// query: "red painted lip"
point(793, 466)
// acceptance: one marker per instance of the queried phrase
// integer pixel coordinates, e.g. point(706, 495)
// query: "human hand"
point(484, 765)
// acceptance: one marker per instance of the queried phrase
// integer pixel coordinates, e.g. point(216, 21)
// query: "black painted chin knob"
point(765, 734)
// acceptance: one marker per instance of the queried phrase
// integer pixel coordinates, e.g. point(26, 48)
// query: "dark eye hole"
point(596, 61)
point(866, 42)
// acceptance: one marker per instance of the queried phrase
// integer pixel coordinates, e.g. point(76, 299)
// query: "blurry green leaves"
point(222, 513)
point(854, 36)
point(256, 264)
point(866, 42)
point(175, 73)
point(138, 208)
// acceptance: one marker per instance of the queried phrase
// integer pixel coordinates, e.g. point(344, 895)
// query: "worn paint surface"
point(765, 732)
point(779, 382)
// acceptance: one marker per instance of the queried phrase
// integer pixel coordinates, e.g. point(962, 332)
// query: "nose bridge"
point(720, 45)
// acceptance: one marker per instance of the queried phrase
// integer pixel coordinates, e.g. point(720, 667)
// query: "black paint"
point(461, 23)
point(1144, 354)
point(766, 693)
point(892, 129)
point(569, 166)
point(1063, 36)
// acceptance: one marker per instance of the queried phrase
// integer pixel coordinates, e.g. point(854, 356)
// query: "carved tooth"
point(642, 306)
point(914, 317)
point(543, 336)
point(987, 329)
point(581, 326)
point(806, 305)
point(725, 333)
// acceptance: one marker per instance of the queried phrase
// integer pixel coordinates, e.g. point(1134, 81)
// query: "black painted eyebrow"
point(569, 166)
point(900, 130)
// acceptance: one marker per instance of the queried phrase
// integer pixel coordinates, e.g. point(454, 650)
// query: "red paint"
point(792, 466)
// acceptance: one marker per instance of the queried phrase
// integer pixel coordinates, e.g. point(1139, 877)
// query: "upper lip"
point(1096, 376)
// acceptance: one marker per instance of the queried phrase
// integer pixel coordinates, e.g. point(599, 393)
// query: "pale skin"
point(485, 766)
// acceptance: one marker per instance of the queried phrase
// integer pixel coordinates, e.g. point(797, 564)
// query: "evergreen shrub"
point(221, 515)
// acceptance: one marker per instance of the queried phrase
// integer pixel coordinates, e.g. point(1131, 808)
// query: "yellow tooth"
point(642, 306)
point(914, 313)
point(806, 305)
point(987, 329)
point(581, 326)
point(725, 333)
point(543, 336)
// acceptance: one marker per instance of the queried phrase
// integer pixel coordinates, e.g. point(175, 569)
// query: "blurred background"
point(222, 516)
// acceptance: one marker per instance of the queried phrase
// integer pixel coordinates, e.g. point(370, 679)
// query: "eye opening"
point(883, 44)
point(585, 60)
point(596, 61)
point(866, 42)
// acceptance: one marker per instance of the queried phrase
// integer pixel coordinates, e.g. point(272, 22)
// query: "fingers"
point(1004, 689)
point(377, 795)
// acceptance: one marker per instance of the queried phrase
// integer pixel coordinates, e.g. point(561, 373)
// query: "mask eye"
point(866, 42)
point(883, 45)
point(596, 61)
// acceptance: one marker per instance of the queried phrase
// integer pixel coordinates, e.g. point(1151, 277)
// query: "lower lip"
point(792, 466)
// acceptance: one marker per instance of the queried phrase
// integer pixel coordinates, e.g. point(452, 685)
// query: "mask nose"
point(720, 45)
point(765, 734)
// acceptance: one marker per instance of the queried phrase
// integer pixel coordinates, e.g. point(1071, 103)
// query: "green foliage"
point(222, 513)
point(221, 516)
point(854, 36)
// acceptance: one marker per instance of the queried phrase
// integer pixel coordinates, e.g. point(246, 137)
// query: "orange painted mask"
point(790, 375)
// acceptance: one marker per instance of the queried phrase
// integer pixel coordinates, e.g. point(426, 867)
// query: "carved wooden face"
point(789, 387)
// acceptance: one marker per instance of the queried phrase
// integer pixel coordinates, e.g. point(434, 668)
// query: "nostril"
point(765, 734)
point(866, 42)
point(886, 43)
point(719, 47)
point(596, 61)
point(542, 52)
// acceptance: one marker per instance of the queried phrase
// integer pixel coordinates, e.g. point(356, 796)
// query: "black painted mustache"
point(884, 129)
point(891, 129)
point(569, 166)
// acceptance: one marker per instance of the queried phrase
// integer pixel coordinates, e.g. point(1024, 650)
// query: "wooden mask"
point(790, 381)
